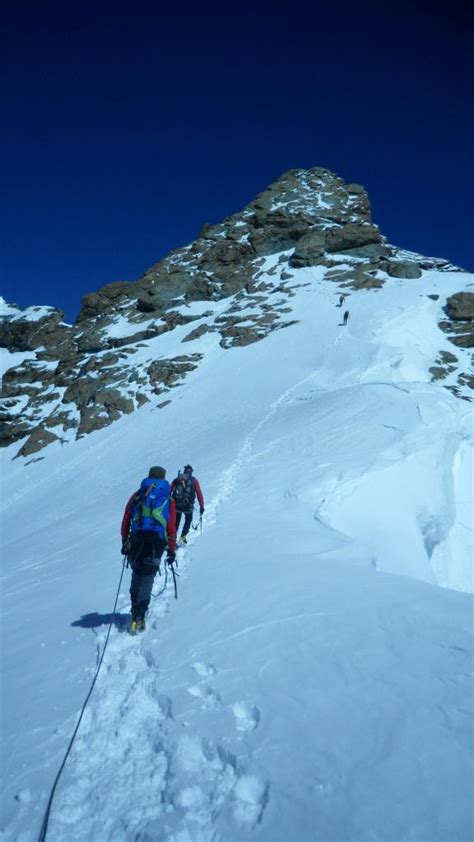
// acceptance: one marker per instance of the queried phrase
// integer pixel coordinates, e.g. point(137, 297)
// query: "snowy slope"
point(313, 681)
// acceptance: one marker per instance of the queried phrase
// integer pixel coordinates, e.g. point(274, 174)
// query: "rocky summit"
point(63, 381)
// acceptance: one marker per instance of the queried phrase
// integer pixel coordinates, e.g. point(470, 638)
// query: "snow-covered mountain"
point(313, 681)
point(62, 381)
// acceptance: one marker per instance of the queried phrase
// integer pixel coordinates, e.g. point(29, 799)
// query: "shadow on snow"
point(93, 620)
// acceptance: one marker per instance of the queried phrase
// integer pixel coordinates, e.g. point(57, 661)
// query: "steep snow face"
point(312, 681)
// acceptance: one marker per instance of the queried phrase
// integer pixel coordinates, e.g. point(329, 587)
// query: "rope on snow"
point(44, 826)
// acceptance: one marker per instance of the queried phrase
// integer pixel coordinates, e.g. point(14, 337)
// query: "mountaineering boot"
point(137, 626)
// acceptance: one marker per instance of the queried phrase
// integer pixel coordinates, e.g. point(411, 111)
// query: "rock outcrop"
point(74, 379)
point(459, 324)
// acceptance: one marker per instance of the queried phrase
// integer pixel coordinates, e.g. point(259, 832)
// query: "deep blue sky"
point(126, 127)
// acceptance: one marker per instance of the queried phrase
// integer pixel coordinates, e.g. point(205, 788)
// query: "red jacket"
point(170, 528)
point(197, 489)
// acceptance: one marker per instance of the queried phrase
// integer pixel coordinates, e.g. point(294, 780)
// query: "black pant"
point(145, 552)
point(188, 517)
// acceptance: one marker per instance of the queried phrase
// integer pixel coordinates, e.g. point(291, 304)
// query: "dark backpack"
point(150, 509)
point(184, 493)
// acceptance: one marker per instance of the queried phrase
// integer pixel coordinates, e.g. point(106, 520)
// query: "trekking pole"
point(199, 524)
point(174, 581)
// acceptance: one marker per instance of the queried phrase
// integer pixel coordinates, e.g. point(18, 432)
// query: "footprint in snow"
point(204, 670)
point(247, 716)
point(208, 696)
point(150, 659)
point(250, 798)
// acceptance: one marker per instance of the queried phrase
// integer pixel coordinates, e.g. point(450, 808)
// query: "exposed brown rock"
point(28, 334)
point(95, 303)
point(165, 373)
point(460, 306)
point(460, 323)
point(38, 439)
point(351, 236)
point(107, 406)
point(197, 333)
point(403, 269)
point(309, 249)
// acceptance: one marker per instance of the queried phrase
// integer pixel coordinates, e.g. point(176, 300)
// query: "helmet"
point(188, 469)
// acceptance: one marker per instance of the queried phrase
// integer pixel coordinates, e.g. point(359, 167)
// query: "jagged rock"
point(224, 255)
point(240, 336)
point(29, 379)
point(148, 304)
point(309, 250)
point(351, 236)
point(447, 358)
point(96, 363)
point(460, 327)
point(354, 278)
point(173, 318)
point(12, 430)
point(108, 405)
point(463, 340)
point(92, 341)
point(438, 372)
point(38, 439)
point(81, 390)
point(460, 306)
point(165, 373)
point(459, 333)
point(27, 332)
point(403, 269)
point(272, 240)
point(61, 419)
point(254, 285)
point(159, 287)
point(206, 231)
point(359, 279)
point(95, 303)
point(200, 289)
point(466, 380)
point(233, 283)
point(197, 333)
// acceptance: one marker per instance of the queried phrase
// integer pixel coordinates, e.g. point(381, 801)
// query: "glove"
point(125, 548)
point(201, 510)
point(170, 557)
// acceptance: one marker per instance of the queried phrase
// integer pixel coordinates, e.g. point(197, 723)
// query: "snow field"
point(298, 689)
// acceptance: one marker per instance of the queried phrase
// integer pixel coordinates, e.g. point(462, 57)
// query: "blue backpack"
point(151, 507)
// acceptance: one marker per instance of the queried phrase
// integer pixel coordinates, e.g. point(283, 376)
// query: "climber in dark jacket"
point(148, 528)
point(184, 490)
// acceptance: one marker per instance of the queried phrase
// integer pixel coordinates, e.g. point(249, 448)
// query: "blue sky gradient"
point(128, 127)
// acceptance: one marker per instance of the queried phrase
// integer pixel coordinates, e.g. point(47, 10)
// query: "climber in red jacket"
point(148, 528)
point(184, 490)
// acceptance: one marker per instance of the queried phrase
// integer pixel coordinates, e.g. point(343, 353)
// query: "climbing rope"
point(44, 826)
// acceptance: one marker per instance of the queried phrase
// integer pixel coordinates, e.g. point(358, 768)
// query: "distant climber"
point(184, 490)
point(148, 528)
point(344, 319)
point(342, 298)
